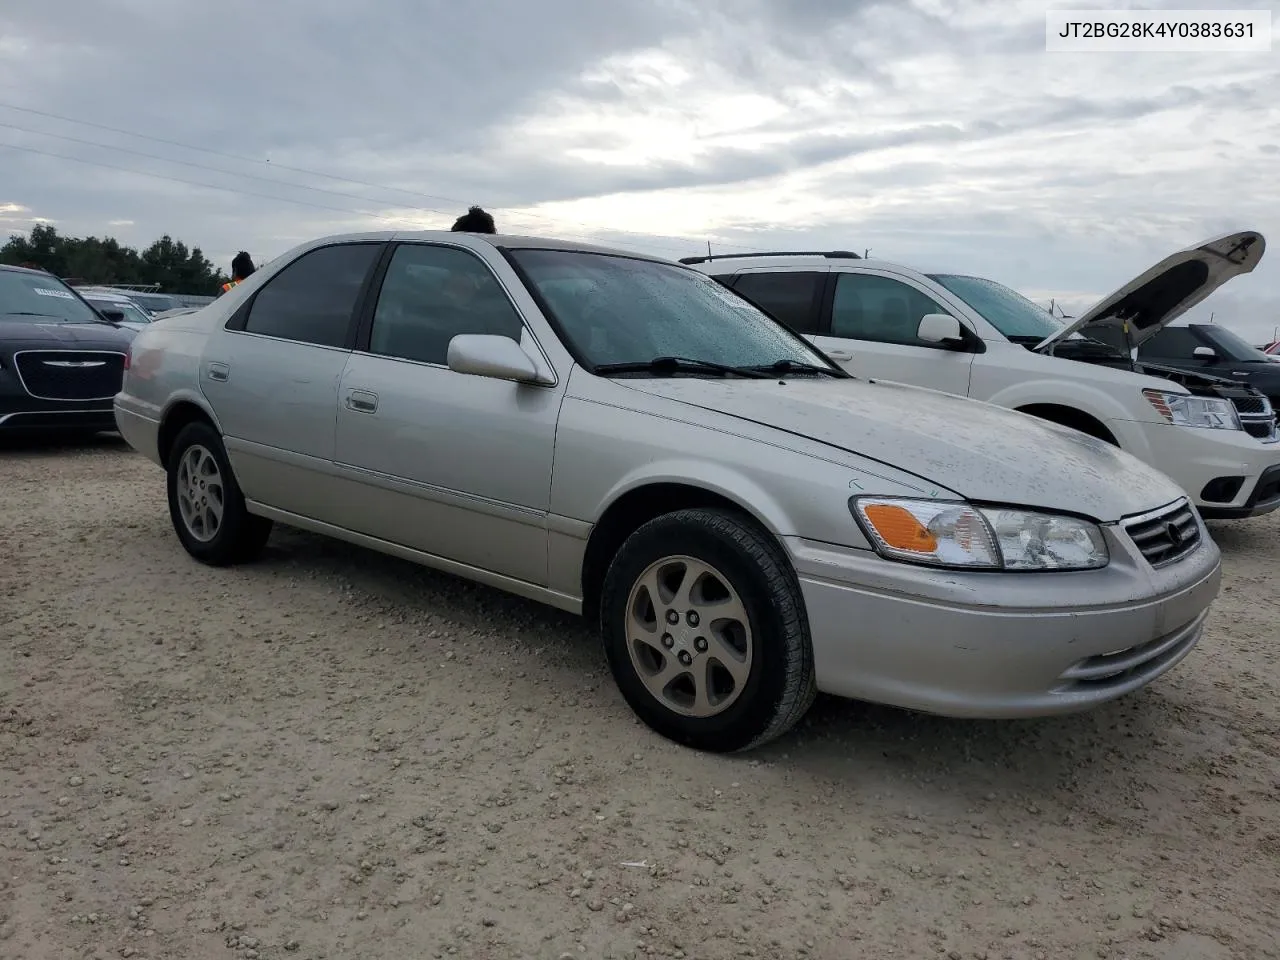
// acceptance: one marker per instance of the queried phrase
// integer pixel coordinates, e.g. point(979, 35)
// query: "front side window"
point(1007, 310)
point(618, 310)
point(790, 297)
point(879, 309)
point(314, 298)
point(40, 298)
point(1171, 343)
point(1230, 345)
point(431, 295)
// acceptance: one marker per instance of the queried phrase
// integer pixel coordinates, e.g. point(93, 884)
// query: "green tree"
point(166, 262)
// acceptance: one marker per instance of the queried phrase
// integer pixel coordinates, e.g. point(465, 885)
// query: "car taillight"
point(128, 356)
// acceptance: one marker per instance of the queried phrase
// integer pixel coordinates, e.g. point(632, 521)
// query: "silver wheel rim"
point(689, 636)
point(200, 493)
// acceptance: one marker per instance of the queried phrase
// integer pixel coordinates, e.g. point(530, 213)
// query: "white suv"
point(974, 337)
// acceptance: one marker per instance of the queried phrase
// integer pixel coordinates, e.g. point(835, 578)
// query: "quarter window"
point(879, 309)
point(313, 299)
point(790, 297)
point(432, 294)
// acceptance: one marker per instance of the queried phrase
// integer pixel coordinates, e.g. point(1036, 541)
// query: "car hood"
point(982, 452)
point(63, 336)
point(1147, 303)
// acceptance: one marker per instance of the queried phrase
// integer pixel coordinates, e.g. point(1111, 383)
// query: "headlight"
point(1188, 411)
point(950, 534)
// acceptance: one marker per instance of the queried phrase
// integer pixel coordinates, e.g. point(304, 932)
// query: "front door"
point(874, 320)
point(454, 465)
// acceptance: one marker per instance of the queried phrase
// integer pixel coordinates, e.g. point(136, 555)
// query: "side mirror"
point(940, 328)
point(1205, 353)
point(115, 316)
point(485, 355)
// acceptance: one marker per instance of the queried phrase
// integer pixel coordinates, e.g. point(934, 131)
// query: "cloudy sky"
point(937, 133)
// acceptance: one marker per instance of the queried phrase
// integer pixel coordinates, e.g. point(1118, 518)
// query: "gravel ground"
point(334, 754)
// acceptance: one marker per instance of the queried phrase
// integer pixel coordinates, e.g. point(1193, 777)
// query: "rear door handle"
point(840, 355)
point(219, 371)
point(362, 401)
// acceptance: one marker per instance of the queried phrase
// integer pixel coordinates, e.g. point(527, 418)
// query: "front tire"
point(205, 502)
point(705, 632)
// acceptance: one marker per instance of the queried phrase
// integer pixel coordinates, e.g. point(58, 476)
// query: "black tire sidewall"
point(227, 544)
point(756, 707)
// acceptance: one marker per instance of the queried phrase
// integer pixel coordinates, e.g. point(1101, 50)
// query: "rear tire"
point(704, 629)
point(205, 502)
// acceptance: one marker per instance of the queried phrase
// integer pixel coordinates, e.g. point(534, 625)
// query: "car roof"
point(14, 268)
point(509, 241)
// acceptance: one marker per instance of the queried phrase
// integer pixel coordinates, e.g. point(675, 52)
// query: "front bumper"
point(1264, 497)
point(1207, 462)
point(999, 644)
point(22, 414)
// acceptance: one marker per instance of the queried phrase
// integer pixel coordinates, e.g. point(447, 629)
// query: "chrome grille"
point(1166, 535)
point(71, 375)
point(1257, 417)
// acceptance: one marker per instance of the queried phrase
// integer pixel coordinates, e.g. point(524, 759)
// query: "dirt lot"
point(333, 754)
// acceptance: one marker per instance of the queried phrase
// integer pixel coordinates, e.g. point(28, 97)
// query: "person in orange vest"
point(241, 269)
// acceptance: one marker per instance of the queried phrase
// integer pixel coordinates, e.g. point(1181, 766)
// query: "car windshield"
point(1007, 310)
point(132, 314)
point(1234, 347)
point(619, 310)
point(41, 298)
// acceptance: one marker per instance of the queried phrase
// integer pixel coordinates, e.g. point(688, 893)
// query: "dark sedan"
point(61, 363)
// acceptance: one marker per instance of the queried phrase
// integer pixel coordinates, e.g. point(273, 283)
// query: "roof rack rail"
point(131, 287)
point(829, 254)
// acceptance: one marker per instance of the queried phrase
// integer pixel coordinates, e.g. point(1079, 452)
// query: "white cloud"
point(938, 132)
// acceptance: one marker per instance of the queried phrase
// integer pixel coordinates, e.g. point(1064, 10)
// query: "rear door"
point(272, 376)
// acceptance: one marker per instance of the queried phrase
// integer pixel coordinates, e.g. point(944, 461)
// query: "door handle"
point(362, 401)
point(840, 355)
point(219, 371)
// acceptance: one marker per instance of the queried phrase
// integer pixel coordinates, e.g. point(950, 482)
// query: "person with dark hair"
point(241, 269)
point(475, 220)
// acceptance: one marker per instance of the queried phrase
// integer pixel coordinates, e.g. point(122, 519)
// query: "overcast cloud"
point(938, 133)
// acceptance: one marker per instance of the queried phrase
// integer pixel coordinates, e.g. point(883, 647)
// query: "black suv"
point(61, 362)
point(1209, 348)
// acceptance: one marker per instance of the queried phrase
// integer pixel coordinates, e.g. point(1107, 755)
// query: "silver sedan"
point(622, 437)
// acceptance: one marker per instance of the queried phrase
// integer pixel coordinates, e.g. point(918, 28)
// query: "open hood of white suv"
point(1147, 303)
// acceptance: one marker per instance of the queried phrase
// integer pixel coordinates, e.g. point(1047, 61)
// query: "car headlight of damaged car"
point(1188, 411)
point(950, 534)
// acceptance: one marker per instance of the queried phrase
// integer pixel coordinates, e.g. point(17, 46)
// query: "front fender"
point(1085, 397)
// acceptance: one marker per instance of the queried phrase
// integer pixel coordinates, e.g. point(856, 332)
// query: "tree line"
point(167, 262)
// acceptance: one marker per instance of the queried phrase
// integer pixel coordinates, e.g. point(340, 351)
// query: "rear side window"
point(313, 299)
point(790, 297)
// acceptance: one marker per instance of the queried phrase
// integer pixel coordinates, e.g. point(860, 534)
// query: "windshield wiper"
point(798, 366)
point(669, 365)
point(28, 313)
